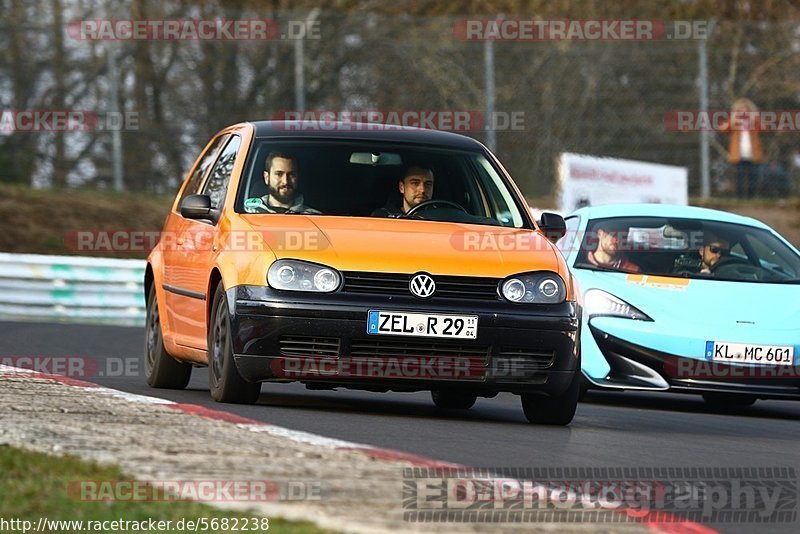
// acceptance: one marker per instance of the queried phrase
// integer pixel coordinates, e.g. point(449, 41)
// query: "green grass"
point(46, 221)
point(35, 485)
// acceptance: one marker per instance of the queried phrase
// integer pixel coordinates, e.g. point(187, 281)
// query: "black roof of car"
point(363, 131)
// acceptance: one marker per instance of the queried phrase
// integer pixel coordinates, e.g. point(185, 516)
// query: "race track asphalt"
point(609, 430)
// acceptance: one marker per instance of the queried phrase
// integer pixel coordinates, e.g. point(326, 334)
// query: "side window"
point(765, 254)
point(204, 161)
point(217, 183)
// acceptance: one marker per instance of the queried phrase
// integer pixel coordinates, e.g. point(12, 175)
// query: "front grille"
point(419, 349)
point(524, 357)
point(309, 346)
point(452, 287)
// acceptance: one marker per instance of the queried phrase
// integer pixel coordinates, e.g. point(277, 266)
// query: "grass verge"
point(47, 221)
point(35, 485)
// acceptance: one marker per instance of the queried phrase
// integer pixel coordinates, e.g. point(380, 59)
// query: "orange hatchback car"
point(361, 256)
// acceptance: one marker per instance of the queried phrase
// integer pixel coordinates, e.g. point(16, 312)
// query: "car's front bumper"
point(322, 340)
point(691, 375)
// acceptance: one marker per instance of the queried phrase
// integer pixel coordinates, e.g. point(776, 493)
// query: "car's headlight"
point(597, 302)
point(534, 288)
point(295, 275)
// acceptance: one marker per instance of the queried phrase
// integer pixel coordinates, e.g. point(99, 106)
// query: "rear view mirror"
point(196, 207)
point(553, 226)
point(376, 158)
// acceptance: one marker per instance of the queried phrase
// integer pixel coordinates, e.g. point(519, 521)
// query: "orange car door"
point(179, 300)
point(196, 254)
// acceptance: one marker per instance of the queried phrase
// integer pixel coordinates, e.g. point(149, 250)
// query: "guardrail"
point(74, 288)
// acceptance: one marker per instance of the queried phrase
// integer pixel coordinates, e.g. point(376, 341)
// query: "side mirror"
point(553, 226)
point(196, 207)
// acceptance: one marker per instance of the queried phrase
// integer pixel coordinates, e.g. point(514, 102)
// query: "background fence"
point(606, 98)
point(71, 288)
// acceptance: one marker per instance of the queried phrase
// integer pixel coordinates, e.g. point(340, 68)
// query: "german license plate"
point(719, 351)
point(422, 324)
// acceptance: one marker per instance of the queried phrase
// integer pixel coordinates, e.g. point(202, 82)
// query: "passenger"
point(713, 250)
point(416, 187)
point(282, 176)
point(607, 254)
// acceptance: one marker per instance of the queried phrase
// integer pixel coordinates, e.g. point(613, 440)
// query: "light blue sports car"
point(686, 299)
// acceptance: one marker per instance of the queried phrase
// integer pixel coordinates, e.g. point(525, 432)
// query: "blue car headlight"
point(598, 303)
point(296, 275)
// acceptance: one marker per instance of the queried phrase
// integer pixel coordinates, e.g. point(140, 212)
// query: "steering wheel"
point(734, 267)
point(428, 204)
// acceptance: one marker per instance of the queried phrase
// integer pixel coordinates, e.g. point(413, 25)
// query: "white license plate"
point(719, 351)
point(422, 324)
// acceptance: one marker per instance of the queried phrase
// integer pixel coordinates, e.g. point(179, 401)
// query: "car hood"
point(703, 302)
point(406, 246)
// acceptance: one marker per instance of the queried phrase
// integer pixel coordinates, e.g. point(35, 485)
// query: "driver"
point(416, 187)
point(713, 250)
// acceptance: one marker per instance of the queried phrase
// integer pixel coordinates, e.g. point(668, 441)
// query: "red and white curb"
point(238, 420)
point(659, 522)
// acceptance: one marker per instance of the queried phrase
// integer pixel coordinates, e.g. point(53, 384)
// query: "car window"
point(567, 243)
point(770, 256)
point(690, 248)
point(202, 165)
point(361, 179)
point(217, 184)
point(499, 199)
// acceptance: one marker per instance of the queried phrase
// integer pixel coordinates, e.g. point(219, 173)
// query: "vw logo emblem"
point(422, 285)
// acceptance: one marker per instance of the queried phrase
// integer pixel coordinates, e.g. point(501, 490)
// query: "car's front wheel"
point(224, 380)
point(160, 369)
point(555, 409)
point(453, 400)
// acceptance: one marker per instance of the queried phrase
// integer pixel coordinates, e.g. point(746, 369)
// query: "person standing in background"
point(745, 151)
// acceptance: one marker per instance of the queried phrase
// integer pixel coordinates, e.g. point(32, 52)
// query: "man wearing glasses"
point(714, 249)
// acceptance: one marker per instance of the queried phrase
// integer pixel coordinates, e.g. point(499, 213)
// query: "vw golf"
point(363, 256)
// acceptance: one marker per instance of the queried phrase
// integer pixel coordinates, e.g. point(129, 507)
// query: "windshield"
point(373, 179)
point(690, 248)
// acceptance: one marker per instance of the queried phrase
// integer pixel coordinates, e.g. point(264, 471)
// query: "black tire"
point(160, 369)
point(729, 401)
point(554, 410)
point(453, 400)
point(224, 380)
